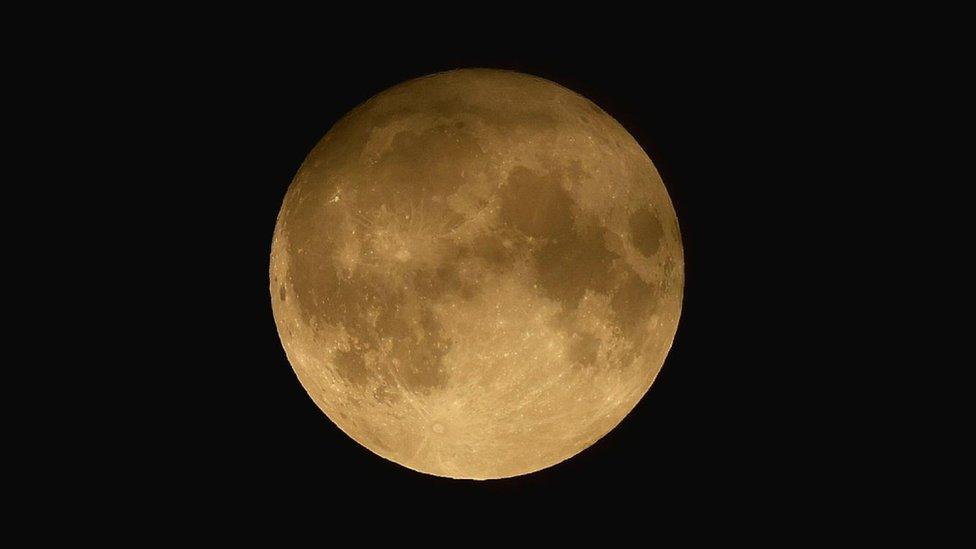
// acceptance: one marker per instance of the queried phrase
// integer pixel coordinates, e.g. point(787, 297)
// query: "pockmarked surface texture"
point(477, 274)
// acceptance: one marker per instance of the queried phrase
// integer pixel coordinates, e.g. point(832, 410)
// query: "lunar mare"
point(477, 274)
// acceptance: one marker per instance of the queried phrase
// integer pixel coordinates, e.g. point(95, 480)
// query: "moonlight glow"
point(477, 274)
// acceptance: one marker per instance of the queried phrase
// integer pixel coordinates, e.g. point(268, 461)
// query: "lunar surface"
point(477, 274)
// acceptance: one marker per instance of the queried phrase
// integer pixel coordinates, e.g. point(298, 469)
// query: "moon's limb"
point(477, 274)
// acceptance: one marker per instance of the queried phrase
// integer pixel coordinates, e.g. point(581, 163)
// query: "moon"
point(477, 274)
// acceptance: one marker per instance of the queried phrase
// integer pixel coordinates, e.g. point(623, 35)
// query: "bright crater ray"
point(477, 274)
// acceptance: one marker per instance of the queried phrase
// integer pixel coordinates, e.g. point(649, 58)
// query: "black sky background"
point(805, 149)
point(725, 416)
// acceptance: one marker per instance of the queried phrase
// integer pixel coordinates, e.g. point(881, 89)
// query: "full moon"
point(477, 274)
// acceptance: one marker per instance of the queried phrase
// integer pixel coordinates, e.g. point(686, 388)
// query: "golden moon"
point(477, 274)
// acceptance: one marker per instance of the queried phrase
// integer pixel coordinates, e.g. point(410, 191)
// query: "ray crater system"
point(477, 274)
